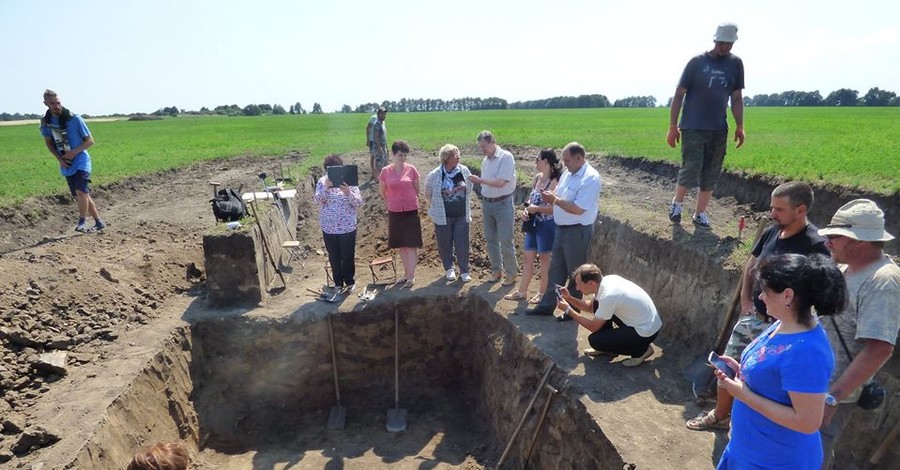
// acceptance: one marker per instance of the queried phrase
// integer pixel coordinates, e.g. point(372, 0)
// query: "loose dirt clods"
point(84, 312)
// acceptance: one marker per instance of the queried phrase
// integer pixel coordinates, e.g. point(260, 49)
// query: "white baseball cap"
point(726, 32)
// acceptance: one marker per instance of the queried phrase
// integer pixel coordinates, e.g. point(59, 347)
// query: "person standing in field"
point(781, 380)
point(538, 225)
point(450, 192)
point(576, 203)
point(709, 80)
point(338, 206)
point(498, 183)
point(399, 186)
point(376, 140)
point(864, 337)
point(67, 138)
point(792, 233)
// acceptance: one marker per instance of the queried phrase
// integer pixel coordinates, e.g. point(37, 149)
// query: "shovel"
point(337, 416)
point(396, 416)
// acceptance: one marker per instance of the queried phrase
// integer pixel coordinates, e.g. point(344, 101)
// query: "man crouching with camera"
point(863, 337)
point(625, 321)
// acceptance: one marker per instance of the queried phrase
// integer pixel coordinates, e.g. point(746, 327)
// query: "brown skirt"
point(404, 230)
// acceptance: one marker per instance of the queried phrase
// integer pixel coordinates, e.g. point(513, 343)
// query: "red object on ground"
point(741, 226)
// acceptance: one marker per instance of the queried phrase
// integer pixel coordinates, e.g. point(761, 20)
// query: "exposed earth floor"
point(108, 298)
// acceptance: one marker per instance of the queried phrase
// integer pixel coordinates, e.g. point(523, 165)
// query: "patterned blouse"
point(337, 211)
point(535, 199)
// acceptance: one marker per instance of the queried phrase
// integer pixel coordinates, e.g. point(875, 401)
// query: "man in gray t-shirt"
point(709, 80)
point(870, 323)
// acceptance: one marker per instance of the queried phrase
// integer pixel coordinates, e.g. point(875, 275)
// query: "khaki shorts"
point(745, 331)
point(702, 154)
point(379, 158)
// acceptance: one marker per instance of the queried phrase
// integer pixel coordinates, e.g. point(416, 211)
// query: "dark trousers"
point(342, 256)
point(570, 247)
point(455, 234)
point(619, 338)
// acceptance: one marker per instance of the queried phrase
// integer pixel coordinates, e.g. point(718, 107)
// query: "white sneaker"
point(465, 277)
point(451, 274)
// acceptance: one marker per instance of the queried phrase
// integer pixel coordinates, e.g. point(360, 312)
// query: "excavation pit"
point(254, 392)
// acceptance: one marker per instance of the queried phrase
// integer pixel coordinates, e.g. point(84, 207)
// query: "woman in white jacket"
point(450, 194)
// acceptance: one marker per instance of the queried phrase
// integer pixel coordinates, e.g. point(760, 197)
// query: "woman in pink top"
point(399, 185)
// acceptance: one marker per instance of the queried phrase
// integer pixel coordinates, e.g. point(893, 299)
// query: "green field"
point(858, 147)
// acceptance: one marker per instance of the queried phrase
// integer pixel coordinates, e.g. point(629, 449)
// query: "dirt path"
point(80, 294)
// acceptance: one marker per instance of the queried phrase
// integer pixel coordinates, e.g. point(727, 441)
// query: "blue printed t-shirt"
point(709, 82)
point(73, 136)
point(771, 367)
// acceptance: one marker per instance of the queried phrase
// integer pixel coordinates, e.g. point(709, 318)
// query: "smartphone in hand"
point(718, 363)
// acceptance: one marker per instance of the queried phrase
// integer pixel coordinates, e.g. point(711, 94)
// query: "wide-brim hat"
point(859, 219)
point(726, 32)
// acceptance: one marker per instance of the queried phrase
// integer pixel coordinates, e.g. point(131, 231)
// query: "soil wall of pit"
point(756, 190)
point(253, 375)
point(693, 292)
point(237, 262)
point(155, 408)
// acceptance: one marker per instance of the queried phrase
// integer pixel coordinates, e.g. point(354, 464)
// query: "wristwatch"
point(830, 400)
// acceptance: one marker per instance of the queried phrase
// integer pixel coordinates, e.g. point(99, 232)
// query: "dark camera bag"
point(872, 395)
point(228, 206)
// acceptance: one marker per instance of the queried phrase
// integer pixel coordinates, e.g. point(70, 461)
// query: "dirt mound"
point(73, 293)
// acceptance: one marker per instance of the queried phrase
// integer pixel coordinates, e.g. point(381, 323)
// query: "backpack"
point(228, 206)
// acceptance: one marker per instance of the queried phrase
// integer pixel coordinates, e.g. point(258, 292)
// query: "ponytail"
point(816, 282)
point(556, 167)
point(829, 288)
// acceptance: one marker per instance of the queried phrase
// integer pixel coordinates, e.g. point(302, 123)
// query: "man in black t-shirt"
point(791, 233)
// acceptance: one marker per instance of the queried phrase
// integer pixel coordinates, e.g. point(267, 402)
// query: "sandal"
point(409, 284)
point(708, 421)
point(402, 280)
point(514, 296)
point(536, 299)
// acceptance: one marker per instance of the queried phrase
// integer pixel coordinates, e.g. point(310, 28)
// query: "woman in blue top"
point(538, 217)
point(782, 378)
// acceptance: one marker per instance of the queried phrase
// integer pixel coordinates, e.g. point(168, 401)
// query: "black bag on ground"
point(228, 206)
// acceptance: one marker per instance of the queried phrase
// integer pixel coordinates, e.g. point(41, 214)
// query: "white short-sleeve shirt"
point(500, 165)
point(628, 301)
point(582, 188)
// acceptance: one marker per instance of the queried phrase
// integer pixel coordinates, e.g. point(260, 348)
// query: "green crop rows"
point(857, 147)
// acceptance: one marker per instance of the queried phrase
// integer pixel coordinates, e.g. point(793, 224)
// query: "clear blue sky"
point(107, 56)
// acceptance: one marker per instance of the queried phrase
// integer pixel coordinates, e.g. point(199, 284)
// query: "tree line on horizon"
point(842, 97)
